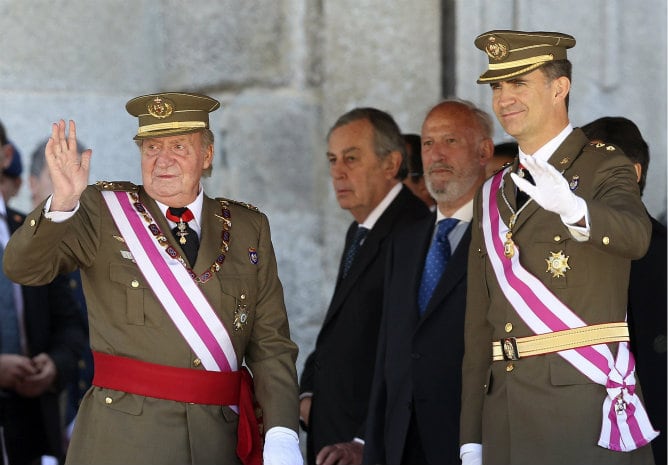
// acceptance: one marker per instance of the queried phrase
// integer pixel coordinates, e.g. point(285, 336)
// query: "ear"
point(562, 86)
point(7, 154)
point(486, 151)
point(638, 168)
point(391, 164)
point(208, 157)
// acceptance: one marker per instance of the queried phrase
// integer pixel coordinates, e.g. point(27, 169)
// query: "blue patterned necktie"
point(437, 259)
point(10, 342)
point(351, 252)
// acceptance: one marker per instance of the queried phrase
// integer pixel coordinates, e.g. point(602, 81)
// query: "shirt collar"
point(195, 207)
point(382, 206)
point(545, 152)
point(464, 214)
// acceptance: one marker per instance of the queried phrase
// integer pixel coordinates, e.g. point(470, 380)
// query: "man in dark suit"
point(414, 407)
point(366, 154)
point(647, 284)
point(50, 337)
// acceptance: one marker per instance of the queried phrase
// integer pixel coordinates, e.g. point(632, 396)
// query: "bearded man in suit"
point(414, 408)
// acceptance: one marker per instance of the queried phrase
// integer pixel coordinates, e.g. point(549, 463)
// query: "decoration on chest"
point(252, 255)
point(557, 264)
point(241, 312)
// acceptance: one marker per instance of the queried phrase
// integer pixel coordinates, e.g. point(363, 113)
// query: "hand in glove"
point(281, 447)
point(551, 190)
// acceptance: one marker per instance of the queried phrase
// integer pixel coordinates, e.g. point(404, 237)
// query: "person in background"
point(367, 160)
point(41, 187)
point(182, 293)
point(415, 178)
point(647, 285)
point(551, 249)
point(41, 338)
point(10, 177)
point(504, 154)
point(415, 397)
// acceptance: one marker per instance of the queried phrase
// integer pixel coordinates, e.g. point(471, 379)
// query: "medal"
point(182, 233)
point(557, 264)
point(509, 245)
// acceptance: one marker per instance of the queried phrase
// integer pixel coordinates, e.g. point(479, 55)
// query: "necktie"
point(522, 196)
point(186, 236)
point(10, 342)
point(437, 259)
point(356, 243)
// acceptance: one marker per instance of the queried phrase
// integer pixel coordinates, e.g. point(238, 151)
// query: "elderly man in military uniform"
point(547, 372)
point(182, 292)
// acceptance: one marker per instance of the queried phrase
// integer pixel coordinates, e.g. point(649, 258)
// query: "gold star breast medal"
point(557, 264)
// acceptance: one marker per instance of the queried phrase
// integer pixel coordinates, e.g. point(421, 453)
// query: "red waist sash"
point(186, 385)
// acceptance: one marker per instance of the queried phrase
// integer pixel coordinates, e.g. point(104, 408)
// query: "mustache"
point(440, 166)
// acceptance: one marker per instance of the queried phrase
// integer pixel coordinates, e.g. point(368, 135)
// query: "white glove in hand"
point(472, 457)
point(281, 447)
point(551, 190)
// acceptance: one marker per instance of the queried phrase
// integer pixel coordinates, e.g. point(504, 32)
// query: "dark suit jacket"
point(53, 326)
point(418, 369)
point(340, 370)
point(647, 324)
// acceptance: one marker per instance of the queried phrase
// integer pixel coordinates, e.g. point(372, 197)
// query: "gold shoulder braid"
point(237, 202)
point(225, 216)
point(124, 186)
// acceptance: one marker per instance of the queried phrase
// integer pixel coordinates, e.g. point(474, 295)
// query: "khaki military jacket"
point(126, 319)
point(541, 409)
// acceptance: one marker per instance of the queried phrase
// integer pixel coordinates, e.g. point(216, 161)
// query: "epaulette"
point(236, 202)
point(125, 186)
point(602, 146)
point(502, 167)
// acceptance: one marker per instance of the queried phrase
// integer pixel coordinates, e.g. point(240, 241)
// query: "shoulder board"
point(502, 167)
point(603, 146)
point(225, 201)
point(116, 186)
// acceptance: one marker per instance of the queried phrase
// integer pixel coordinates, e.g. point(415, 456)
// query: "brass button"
point(557, 238)
point(108, 400)
point(510, 367)
point(508, 327)
point(33, 222)
point(134, 283)
point(606, 240)
point(197, 362)
point(242, 296)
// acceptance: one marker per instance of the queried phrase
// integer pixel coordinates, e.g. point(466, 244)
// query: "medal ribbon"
point(626, 425)
point(183, 300)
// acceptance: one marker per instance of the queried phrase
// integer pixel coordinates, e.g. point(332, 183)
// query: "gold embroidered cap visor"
point(171, 113)
point(513, 53)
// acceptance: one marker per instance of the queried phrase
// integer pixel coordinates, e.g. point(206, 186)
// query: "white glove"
point(471, 454)
point(551, 190)
point(281, 447)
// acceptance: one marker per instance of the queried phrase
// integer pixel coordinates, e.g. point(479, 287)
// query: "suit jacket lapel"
point(453, 274)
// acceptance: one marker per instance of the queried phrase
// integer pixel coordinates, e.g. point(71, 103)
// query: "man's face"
point(40, 186)
point(523, 105)
point(172, 167)
point(360, 178)
point(454, 154)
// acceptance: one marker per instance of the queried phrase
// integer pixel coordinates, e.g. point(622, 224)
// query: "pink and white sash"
point(625, 425)
point(181, 297)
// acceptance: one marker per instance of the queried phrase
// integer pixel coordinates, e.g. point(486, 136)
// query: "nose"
point(503, 96)
point(164, 157)
point(336, 169)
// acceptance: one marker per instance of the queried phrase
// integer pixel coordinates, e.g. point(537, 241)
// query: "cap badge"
point(160, 107)
point(557, 264)
point(496, 48)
